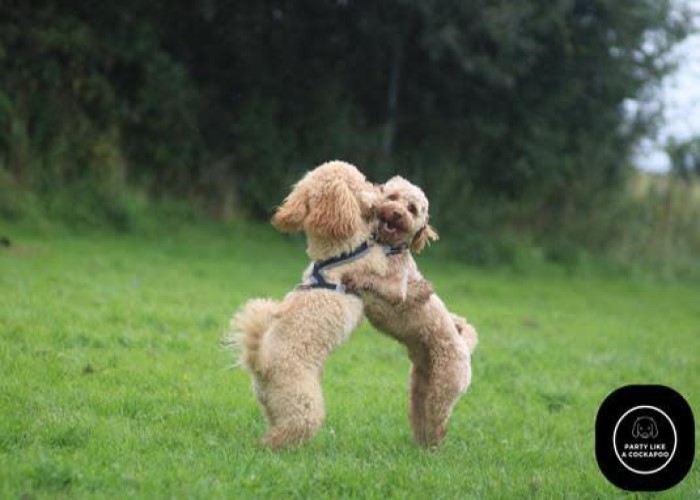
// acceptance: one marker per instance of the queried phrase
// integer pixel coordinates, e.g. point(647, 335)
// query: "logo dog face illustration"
point(645, 428)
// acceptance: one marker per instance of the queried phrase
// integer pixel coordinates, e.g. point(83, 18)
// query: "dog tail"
point(247, 330)
point(467, 331)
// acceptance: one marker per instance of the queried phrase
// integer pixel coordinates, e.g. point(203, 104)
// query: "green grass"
point(113, 384)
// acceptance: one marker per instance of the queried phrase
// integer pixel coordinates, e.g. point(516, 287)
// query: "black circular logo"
point(645, 437)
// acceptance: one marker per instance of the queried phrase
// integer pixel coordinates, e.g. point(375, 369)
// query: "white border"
point(675, 439)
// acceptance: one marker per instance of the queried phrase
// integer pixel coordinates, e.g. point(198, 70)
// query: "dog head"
point(332, 202)
point(402, 215)
point(645, 428)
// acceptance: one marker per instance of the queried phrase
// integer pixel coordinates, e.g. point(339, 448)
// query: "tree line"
point(226, 103)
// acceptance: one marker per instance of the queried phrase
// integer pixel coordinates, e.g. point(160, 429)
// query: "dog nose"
point(390, 214)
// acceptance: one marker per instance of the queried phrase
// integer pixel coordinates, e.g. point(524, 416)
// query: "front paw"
point(349, 282)
point(421, 292)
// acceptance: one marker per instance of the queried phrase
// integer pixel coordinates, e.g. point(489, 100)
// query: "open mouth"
point(390, 227)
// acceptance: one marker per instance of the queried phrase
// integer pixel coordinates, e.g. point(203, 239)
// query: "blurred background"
point(524, 121)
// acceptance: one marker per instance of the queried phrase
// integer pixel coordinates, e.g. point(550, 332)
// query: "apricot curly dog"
point(402, 304)
point(284, 345)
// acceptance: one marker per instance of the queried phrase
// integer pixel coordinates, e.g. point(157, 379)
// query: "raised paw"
point(355, 284)
point(418, 293)
point(349, 282)
point(423, 292)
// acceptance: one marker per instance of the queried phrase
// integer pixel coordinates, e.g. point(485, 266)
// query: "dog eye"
point(412, 208)
point(393, 197)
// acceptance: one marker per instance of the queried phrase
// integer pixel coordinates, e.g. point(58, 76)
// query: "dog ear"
point(425, 235)
point(291, 214)
point(368, 199)
point(654, 429)
point(635, 429)
point(335, 214)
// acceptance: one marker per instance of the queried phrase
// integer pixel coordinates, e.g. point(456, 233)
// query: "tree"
point(511, 100)
point(685, 157)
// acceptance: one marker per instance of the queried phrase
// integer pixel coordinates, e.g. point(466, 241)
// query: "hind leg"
point(294, 352)
point(419, 385)
point(261, 395)
point(448, 381)
point(295, 410)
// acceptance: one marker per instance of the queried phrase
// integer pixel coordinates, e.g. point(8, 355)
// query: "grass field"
point(113, 384)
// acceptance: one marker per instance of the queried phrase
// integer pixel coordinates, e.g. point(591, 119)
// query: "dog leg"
point(386, 288)
point(449, 380)
point(415, 293)
point(466, 331)
point(419, 385)
point(261, 396)
point(296, 412)
point(418, 292)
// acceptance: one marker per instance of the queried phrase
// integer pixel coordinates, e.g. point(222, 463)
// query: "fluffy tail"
point(467, 331)
point(247, 329)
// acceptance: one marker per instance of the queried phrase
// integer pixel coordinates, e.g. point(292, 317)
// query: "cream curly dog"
point(402, 304)
point(284, 345)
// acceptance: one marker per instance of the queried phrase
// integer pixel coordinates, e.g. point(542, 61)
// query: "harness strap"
point(318, 280)
point(395, 250)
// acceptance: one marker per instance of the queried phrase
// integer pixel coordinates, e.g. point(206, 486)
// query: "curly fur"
point(253, 318)
point(402, 304)
point(284, 345)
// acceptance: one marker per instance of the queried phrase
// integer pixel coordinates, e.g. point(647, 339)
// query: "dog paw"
point(420, 292)
point(349, 282)
point(425, 290)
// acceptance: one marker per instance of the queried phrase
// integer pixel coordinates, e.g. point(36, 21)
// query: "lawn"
point(113, 383)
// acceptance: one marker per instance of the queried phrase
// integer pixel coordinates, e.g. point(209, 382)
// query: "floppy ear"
point(425, 235)
point(368, 199)
point(635, 429)
point(336, 212)
point(654, 429)
point(291, 214)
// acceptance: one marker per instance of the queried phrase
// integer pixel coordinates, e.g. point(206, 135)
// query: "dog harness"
point(317, 278)
point(395, 250)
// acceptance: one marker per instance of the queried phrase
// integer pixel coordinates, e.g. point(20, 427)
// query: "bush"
point(92, 110)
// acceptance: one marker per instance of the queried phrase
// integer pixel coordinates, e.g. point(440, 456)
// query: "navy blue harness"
point(318, 280)
point(395, 250)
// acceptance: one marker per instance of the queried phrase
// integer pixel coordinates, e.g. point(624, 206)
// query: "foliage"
point(89, 101)
point(112, 383)
point(658, 226)
point(685, 158)
point(652, 225)
point(510, 115)
point(231, 101)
